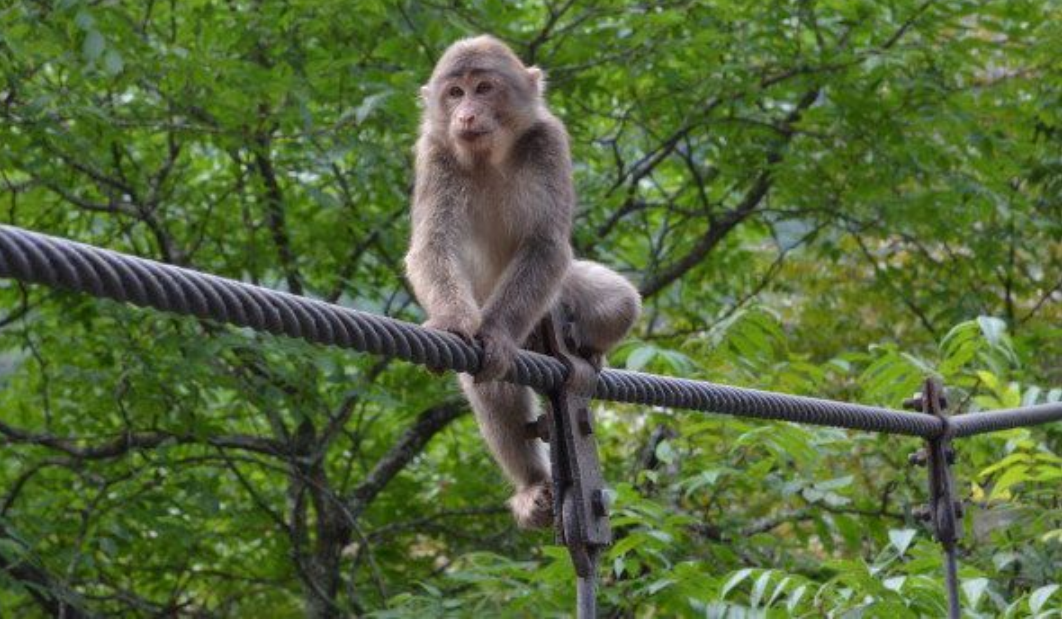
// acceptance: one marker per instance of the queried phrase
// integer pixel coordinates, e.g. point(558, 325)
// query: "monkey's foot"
point(533, 506)
point(499, 351)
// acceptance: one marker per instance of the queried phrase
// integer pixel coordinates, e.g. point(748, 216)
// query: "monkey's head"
point(481, 96)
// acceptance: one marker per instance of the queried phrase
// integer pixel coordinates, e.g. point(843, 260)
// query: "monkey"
point(490, 250)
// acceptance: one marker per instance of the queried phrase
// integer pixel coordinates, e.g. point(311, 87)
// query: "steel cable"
point(970, 424)
point(38, 258)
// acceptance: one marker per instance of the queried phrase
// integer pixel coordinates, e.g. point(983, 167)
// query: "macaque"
point(490, 252)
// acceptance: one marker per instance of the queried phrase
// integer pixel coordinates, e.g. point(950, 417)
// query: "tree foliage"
point(828, 198)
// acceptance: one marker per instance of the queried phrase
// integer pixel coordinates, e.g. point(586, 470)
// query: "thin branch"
point(130, 441)
point(52, 594)
point(720, 227)
point(411, 443)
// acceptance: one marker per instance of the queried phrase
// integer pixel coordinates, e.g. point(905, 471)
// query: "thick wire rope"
point(38, 258)
point(1004, 419)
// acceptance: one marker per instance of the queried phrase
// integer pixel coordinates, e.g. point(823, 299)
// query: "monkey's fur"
point(490, 252)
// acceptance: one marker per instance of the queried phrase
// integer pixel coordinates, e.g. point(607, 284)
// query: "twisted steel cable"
point(1004, 419)
point(56, 262)
point(37, 258)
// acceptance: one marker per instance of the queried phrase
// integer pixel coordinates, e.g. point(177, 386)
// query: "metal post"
point(943, 510)
point(580, 508)
point(586, 602)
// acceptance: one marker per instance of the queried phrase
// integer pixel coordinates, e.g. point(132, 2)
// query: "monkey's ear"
point(538, 79)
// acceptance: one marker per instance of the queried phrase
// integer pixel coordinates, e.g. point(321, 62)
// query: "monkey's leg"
point(605, 304)
point(503, 412)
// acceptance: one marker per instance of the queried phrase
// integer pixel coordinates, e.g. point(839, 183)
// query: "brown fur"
point(490, 252)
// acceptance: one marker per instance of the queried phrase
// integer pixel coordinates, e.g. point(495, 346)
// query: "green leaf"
point(641, 357)
point(93, 45)
point(759, 588)
point(84, 21)
point(901, 539)
point(795, 597)
point(974, 589)
point(112, 62)
point(1012, 476)
point(665, 452)
point(735, 579)
point(1039, 597)
point(993, 329)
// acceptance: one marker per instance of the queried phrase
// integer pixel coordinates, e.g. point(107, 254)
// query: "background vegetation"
point(825, 197)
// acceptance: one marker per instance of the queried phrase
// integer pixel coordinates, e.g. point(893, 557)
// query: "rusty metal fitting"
point(599, 503)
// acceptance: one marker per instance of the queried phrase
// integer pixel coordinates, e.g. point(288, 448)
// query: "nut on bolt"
point(914, 403)
point(599, 503)
point(538, 428)
point(586, 426)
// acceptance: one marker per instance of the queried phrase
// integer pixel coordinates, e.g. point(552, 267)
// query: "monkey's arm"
point(532, 280)
point(529, 285)
point(436, 272)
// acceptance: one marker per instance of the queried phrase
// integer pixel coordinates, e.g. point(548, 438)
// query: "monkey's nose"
point(467, 119)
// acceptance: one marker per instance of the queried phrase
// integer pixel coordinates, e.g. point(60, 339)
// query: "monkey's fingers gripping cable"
point(56, 262)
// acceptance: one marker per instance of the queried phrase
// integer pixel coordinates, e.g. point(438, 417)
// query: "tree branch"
point(53, 595)
point(428, 424)
point(720, 227)
point(129, 441)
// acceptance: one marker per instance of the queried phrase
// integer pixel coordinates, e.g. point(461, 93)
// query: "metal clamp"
point(943, 511)
point(580, 507)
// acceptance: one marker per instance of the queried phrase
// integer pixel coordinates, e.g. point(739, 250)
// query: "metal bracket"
point(943, 511)
point(580, 507)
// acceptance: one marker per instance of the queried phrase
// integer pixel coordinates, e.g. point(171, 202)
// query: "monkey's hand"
point(463, 326)
point(499, 352)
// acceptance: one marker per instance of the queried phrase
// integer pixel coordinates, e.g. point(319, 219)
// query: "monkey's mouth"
point(471, 135)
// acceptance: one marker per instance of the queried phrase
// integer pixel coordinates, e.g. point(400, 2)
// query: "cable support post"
point(580, 503)
point(944, 511)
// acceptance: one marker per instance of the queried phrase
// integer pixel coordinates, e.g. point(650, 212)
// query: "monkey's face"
point(481, 97)
point(480, 111)
point(479, 107)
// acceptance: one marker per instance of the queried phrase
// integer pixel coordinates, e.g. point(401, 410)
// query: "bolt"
point(914, 402)
point(599, 503)
point(917, 458)
point(538, 428)
point(949, 455)
point(959, 509)
point(585, 425)
point(922, 512)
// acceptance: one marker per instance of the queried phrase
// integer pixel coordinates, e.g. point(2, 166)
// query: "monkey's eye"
point(455, 92)
point(484, 87)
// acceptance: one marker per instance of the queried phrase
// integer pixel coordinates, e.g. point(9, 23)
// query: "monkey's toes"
point(532, 507)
